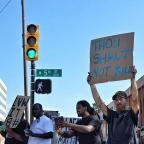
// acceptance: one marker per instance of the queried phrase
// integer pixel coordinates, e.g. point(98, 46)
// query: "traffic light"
point(32, 37)
point(43, 86)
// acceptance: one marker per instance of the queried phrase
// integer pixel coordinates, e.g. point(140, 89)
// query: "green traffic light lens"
point(31, 53)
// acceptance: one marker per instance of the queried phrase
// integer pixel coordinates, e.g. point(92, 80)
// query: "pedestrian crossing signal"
point(43, 86)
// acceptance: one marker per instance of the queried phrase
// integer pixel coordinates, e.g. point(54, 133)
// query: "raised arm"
point(134, 91)
point(96, 96)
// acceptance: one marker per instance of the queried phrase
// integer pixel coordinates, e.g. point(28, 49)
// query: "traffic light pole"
point(24, 58)
point(32, 88)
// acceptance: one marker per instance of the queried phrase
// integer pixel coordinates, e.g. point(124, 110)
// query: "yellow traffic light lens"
point(31, 53)
point(32, 28)
point(31, 40)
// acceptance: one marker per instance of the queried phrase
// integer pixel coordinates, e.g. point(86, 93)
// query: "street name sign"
point(48, 72)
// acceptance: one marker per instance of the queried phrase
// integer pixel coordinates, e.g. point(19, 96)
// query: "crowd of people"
point(87, 130)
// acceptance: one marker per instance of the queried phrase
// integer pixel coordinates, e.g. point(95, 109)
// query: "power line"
point(4, 7)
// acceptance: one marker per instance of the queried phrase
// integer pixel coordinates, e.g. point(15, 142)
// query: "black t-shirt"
point(20, 130)
point(120, 126)
point(92, 137)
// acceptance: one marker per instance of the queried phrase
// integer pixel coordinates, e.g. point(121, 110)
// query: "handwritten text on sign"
point(72, 140)
point(15, 114)
point(111, 57)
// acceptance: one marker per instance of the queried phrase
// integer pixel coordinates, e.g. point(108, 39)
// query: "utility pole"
point(32, 88)
point(24, 59)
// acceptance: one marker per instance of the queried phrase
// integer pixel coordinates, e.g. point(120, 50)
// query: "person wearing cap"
point(121, 122)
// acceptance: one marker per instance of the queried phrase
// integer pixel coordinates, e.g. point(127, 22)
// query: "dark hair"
point(39, 105)
point(119, 94)
point(84, 103)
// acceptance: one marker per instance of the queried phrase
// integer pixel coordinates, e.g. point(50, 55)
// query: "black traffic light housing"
point(43, 86)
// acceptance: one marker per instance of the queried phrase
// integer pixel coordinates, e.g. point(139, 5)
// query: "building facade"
point(3, 95)
point(140, 84)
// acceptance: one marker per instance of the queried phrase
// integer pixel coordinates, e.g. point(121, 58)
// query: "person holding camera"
point(87, 129)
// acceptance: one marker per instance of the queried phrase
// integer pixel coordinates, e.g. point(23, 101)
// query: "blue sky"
point(66, 29)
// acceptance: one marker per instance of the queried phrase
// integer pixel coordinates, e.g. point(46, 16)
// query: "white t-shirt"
point(41, 126)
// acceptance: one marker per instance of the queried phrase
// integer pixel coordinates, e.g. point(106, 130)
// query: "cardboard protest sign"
point(14, 116)
point(111, 57)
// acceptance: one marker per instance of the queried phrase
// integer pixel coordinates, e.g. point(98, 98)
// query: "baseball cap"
point(120, 94)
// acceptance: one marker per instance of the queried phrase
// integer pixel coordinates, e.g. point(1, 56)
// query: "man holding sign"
point(122, 121)
point(16, 135)
point(15, 122)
